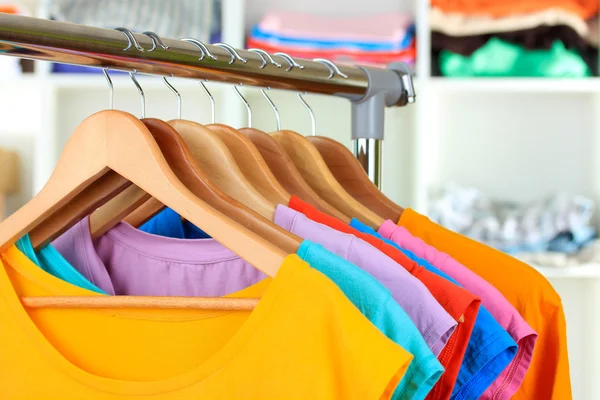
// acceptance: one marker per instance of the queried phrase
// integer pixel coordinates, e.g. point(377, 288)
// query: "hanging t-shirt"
point(510, 319)
point(528, 291)
point(433, 322)
point(490, 349)
point(377, 304)
point(204, 267)
point(462, 305)
point(304, 340)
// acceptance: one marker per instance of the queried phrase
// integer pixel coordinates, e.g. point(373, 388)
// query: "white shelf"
point(516, 85)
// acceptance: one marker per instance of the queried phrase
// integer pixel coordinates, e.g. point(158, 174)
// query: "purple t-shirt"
point(504, 313)
point(434, 323)
point(171, 267)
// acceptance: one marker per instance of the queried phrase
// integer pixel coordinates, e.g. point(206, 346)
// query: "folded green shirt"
point(500, 58)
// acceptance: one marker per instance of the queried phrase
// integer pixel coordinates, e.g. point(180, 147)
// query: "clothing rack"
point(369, 89)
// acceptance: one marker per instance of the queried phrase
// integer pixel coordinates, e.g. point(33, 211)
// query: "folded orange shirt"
point(528, 291)
point(498, 9)
point(462, 305)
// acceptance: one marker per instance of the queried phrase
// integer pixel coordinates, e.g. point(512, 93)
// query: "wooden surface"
point(10, 180)
point(117, 140)
point(286, 172)
point(252, 164)
point(94, 196)
point(349, 173)
point(315, 172)
point(220, 167)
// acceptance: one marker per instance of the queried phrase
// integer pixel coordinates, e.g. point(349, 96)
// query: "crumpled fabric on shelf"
point(590, 254)
point(559, 223)
point(497, 58)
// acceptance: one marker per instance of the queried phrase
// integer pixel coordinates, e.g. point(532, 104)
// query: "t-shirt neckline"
point(220, 359)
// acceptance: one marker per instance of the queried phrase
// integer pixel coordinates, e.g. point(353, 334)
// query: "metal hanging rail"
point(370, 89)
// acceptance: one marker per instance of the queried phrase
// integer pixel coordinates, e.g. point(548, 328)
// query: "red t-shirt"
point(462, 305)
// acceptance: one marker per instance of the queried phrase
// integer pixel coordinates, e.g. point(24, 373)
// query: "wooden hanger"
point(251, 163)
point(183, 163)
point(115, 140)
point(286, 172)
point(350, 174)
point(315, 172)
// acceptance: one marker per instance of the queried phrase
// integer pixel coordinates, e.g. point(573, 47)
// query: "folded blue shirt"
point(328, 44)
point(490, 350)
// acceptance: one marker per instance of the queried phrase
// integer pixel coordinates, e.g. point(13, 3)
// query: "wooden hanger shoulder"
point(221, 168)
point(315, 172)
point(286, 172)
point(349, 173)
point(251, 162)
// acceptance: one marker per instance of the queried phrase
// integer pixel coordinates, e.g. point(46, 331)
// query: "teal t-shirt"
point(376, 303)
point(51, 261)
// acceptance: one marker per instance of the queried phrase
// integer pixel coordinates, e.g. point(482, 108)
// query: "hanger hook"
point(155, 40)
point(333, 69)
point(233, 52)
point(131, 40)
point(275, 110)
point(141, 91)
point(265, 56)
point(313, 120)
point(246, 104)
point(176, 94)
point(202, 47)
point(112, 88)
point(290, 60)
point(212, 101)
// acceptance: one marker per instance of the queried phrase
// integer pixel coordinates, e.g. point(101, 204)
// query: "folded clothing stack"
point(199, 19)
point(535, 38)
point(560, 223)
point(375, 40)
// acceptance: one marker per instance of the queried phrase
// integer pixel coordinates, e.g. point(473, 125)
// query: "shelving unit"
point(516, 139)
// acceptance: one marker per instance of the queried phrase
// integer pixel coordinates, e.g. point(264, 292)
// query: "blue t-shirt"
point(490, 347)
point(168, 223)
point(51, 261)
point(376, 303)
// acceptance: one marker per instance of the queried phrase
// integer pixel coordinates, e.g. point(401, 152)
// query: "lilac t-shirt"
point(504, 313)
point(171, 267)
point(434, 323)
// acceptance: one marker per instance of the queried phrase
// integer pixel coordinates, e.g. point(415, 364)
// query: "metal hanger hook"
point(111, 87)
point(265, 56)
point(141, 91)
point(212, 101)
point(275, 110)
point(333, 69)
point(202, 47)
point(290, 60)
point(156, 40)
point(233, 52)
point(239, 94)
point(131, 40)
point(176, 94)
point(313, 120)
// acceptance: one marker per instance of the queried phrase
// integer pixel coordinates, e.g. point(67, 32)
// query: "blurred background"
point(502, 144)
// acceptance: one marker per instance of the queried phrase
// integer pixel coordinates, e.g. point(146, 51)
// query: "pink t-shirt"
point(506, 315)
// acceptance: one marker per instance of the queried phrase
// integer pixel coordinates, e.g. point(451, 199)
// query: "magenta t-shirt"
point(506, 315)
point(434, 323)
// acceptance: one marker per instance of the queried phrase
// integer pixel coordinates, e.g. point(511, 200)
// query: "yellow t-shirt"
point(528, 291)
point(304, 340)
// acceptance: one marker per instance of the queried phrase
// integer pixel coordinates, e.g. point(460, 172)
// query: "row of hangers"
point(226, 181)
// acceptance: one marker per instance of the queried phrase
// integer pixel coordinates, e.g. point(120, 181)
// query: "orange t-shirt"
point(498, 9)
point(304, 340)
point(528, 291)
point(462, 305)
